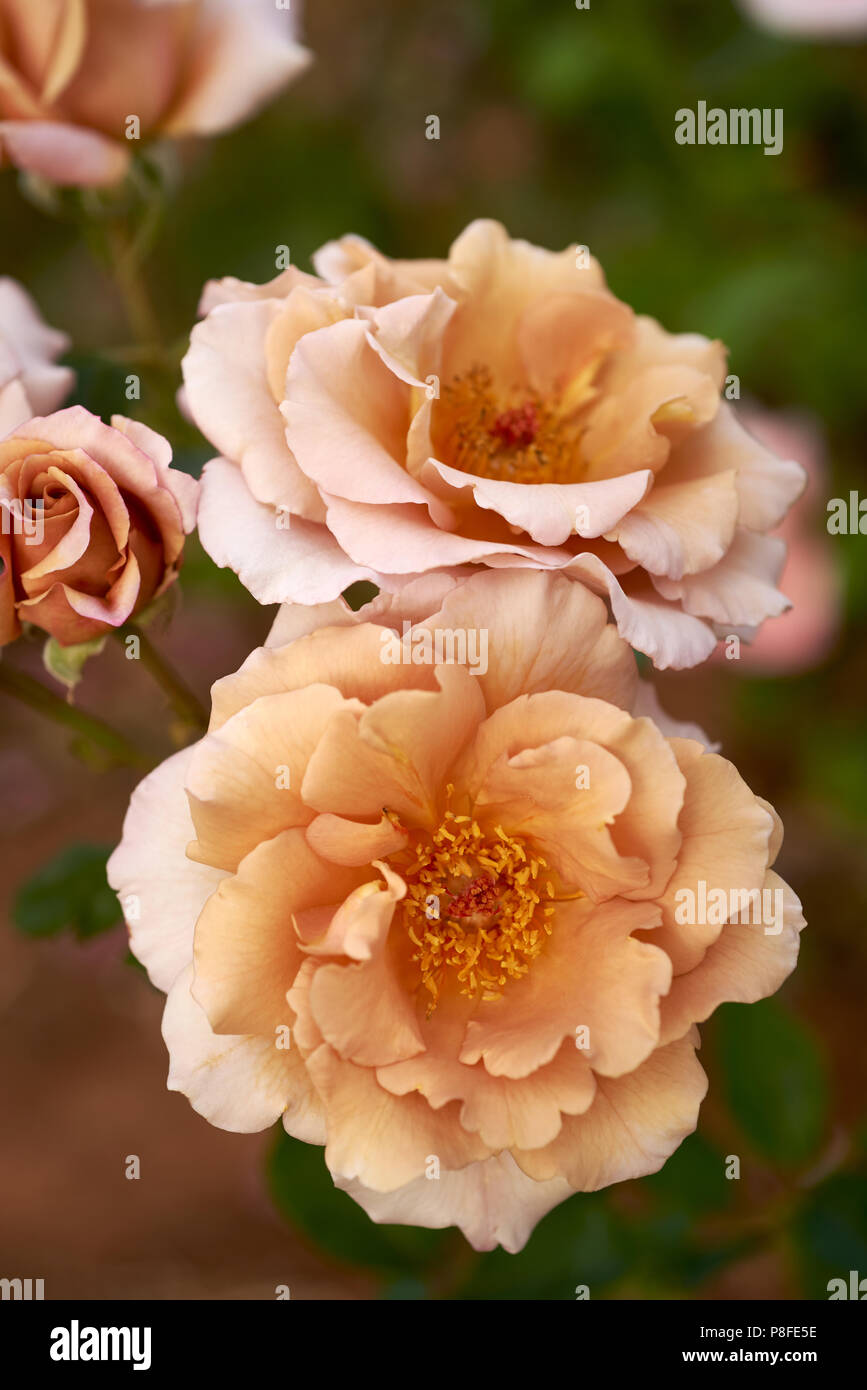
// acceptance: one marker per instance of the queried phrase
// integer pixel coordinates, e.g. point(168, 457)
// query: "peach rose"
point(501, 408)
point(94, 520)
point(431, 915)
point(74, 71)
point(30, 380)
point(820, 19)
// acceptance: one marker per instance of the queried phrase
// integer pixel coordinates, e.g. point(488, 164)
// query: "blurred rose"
point(826, 19)
point(803, 637)
point(30, 381)
point(501, 408)
point(94, 520)
point(74, 71)
point(431, 916)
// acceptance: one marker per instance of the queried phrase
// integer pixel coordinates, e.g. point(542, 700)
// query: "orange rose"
point(456, 922)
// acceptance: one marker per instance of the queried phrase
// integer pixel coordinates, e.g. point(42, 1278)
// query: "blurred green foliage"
point(70, 891)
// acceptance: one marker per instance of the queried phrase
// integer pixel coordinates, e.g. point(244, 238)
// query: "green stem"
point(126, 269)
point(185, 704)
point(38, 697)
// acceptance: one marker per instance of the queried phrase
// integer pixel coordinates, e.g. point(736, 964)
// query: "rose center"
point(519, 438)
point(477, 908)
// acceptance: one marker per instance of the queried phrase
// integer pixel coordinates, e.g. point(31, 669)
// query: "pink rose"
point(432, 915)
point(94, 520)
point(501, 408)
point(75, 71)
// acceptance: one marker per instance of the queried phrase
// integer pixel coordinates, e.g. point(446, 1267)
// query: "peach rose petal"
point(634, 1124)
point(353, 842)
point(593, 974)
point(726, 833)
point(505, 1112)
point(383, 1140)
point(400, 751)
point(246, 951)
point(350, 661)
point(681, 530)
point(519, 618)
point(550, 513)
point(244, 782)
point(748, 961)
point(491, 1202)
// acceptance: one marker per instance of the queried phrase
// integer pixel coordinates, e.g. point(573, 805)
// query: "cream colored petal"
point(739, 591)
point(492, 1202)
point(240, 1083)
point(160, 890)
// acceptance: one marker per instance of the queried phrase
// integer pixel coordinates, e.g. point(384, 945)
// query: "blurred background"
point(559, 122)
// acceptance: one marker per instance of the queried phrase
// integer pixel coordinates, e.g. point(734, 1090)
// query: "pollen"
point(517, 438)
point(476, 908)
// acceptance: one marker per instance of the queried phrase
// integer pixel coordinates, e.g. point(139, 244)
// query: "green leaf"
point(693, 1179)
point(66, 664)
point(775, 1080)
point(831, 1233)
point(304, 1193)
point(70, 891)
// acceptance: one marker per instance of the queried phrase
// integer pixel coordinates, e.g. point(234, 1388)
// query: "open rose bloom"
point(94, 522)
point(72, 72)
point(501, 408)
point(427, 913)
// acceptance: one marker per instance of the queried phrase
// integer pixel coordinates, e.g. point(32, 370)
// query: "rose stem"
point(38, 697)
point(133, 292)
point(182, 700)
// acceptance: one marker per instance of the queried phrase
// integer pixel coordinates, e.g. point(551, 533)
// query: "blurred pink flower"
point(824, 19)
point(75, 71)
point(802, 637)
